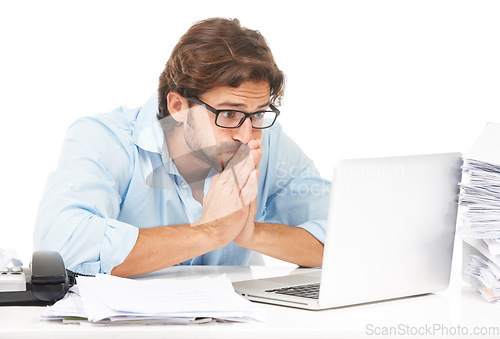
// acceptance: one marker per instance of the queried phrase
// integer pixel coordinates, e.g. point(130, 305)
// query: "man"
point(200, 175)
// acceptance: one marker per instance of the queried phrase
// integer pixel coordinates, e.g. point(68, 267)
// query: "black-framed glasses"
point(227, 118)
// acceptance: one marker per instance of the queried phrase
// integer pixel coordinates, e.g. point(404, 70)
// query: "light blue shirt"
point(115, 176)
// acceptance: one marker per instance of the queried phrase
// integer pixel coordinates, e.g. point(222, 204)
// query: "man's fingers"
point(242, 173)
point(246, 159)
point(257, 157)
point(241, 154)
point(250, 190)
point(237, 173)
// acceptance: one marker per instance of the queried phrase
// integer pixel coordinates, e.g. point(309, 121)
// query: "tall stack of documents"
point(480, 213)
point(105, 299)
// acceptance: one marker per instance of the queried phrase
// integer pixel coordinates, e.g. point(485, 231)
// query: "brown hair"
point(218, 52)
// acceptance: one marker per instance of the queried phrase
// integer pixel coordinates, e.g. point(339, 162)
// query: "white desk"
point(454, 310)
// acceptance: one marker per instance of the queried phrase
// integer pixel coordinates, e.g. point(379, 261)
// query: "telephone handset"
point(43, 283)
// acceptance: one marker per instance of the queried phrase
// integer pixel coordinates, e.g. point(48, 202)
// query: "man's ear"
point(177, 106)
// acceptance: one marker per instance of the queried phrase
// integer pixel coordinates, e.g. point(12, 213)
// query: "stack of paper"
point(106, 299)
point(480, 195)
point(485, 276)
point(480, 208)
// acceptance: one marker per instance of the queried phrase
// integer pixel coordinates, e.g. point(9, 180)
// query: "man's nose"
point(243, 133)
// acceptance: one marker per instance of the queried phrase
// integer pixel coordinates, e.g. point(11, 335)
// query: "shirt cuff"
point(119, 239)
point(317, 228)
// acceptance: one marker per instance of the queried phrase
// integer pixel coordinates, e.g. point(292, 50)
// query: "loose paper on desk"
point(107, 299)
point(9, 256)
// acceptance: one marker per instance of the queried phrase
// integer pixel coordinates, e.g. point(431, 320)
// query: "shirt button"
point(184, 184)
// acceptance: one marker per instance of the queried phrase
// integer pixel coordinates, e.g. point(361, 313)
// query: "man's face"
point(215, 145)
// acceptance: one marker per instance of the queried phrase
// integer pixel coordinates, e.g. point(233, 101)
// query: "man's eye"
point(259, 115)
point(228, 114)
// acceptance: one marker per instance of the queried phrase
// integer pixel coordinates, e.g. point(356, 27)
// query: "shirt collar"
point(148, 133)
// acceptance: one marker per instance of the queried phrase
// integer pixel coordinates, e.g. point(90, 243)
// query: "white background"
point(364, 78)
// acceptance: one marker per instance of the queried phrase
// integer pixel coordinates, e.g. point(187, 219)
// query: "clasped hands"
point(230, 204)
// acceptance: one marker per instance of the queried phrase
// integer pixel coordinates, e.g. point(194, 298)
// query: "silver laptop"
point(390, 234)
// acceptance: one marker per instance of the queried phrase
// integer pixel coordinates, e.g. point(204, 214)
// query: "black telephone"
point(43, 283)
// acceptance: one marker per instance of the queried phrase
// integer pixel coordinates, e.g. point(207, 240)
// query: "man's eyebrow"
point(241, 105)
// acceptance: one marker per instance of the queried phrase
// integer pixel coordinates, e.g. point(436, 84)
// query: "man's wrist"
point(210, 234)
point(251, 241)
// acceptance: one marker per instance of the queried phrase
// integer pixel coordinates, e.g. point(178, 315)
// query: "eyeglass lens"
point(234, 118)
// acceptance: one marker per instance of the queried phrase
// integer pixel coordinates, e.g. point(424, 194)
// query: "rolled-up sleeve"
point(297, 194)
point(79, 209)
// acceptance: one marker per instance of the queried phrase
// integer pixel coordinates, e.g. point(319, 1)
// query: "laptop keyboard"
point(305, 291)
